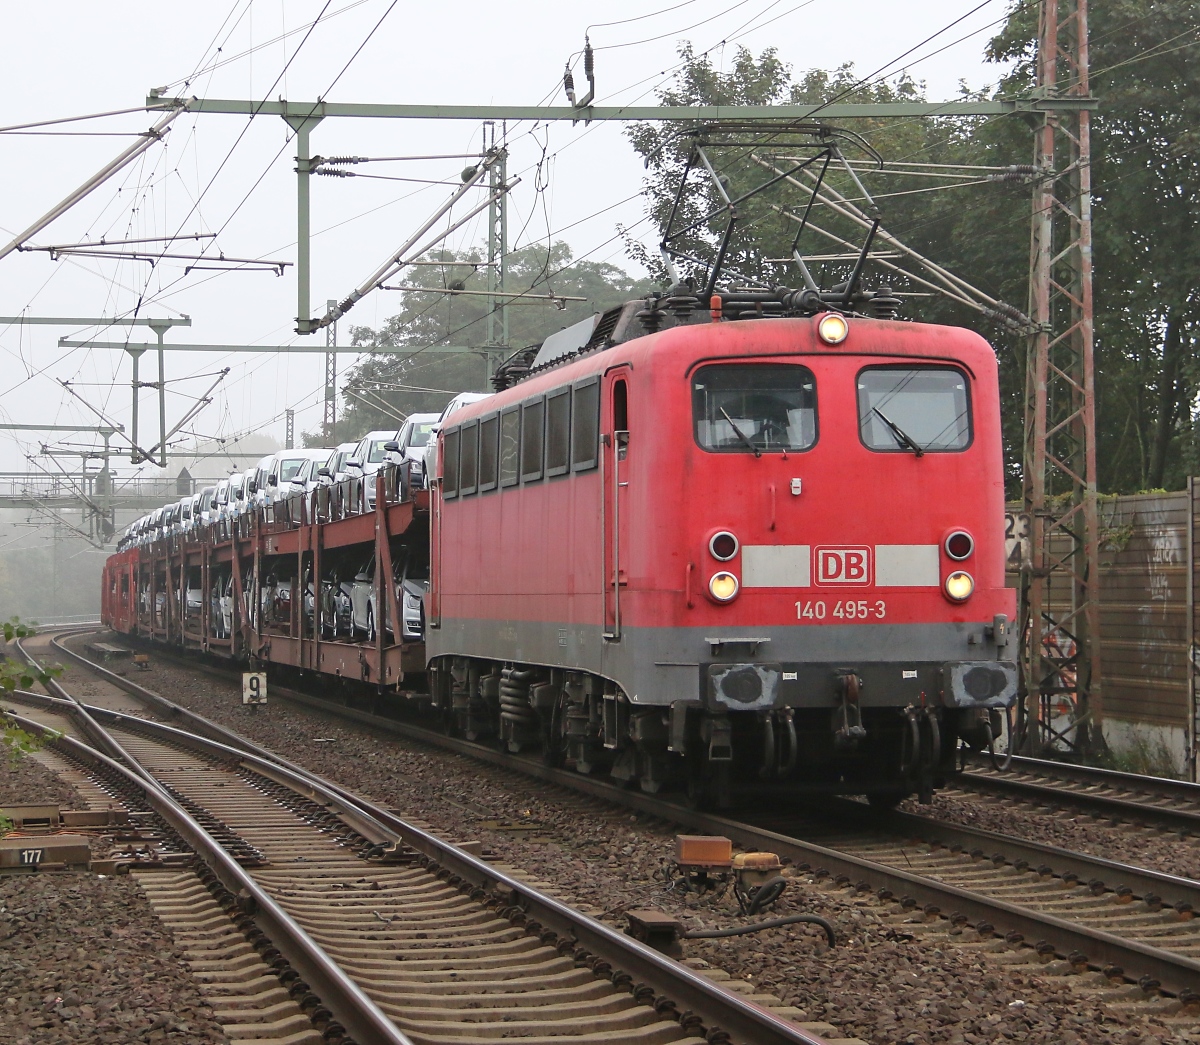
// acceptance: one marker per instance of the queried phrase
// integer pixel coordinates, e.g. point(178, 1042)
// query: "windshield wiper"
point(902, 437)
point(739, 433)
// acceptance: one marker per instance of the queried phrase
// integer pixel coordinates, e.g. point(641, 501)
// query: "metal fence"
point(1148, 624)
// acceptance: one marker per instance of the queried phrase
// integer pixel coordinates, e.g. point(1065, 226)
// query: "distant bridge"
point(93, 492)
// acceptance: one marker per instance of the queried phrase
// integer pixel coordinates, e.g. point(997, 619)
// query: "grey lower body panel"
point(955, 665)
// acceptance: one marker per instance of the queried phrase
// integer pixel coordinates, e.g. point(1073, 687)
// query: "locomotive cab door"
point(614, 454)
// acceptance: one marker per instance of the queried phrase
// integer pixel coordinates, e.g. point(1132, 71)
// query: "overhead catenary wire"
point(149, 138)
point(941, 280)
point(640, 18)
point(335, 80)
point(395, 261)
point(306, 26)
point(380, 403)
point(881, 72)
point(196, 201)
point(785, 14)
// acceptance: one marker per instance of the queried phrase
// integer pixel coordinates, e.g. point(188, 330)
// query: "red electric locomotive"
point(688, 543)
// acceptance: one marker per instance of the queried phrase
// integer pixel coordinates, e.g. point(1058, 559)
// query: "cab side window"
point(450, 464)
point(510, 445)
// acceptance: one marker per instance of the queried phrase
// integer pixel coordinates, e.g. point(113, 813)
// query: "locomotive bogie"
point(579, 720)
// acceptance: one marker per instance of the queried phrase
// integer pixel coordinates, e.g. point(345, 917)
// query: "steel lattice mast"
point(1060, 589)
point(330, 374)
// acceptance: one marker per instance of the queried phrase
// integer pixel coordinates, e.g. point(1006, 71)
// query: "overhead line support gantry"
point(302, 117)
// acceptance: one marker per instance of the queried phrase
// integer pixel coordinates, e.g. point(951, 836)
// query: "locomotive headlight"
point(723, 586)
point(959, 585)
point(959, 545)
point(833, 329)
point(723, 546)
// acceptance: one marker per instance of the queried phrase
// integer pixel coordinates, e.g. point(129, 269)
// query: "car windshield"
point(288, 468)
point(375, 452)
point(902, 406)
point(419, 434)
point(754, 408)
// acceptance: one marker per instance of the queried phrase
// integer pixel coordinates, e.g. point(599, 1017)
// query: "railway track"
point(1151, 801)
point(1127, 923)
point(310, 911)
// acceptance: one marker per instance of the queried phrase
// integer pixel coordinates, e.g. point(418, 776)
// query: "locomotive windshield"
point(754, 408)
point(914, 409)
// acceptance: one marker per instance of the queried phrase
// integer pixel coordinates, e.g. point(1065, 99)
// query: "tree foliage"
point(979, 230)
point(766, 226)
point(1146, 183)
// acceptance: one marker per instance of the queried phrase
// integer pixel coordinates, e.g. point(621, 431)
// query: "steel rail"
point(350, 1006)
point(1164, 787)
point(1124, 808)
point(1142, 881)
point(714, 1004)
point(87, 724)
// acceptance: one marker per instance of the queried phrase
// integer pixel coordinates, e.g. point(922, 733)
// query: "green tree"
point(1146, 182)
point(1146, 190)
point(382, 387)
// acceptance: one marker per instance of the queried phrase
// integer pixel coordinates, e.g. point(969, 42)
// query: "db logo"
point(843, 565)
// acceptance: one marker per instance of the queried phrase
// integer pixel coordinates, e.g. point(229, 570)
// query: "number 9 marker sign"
point(254, 687)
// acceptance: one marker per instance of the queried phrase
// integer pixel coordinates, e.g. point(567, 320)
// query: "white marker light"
point(833, 329)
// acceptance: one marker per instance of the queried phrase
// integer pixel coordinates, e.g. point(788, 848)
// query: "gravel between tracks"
point(84, 958)
point(881, 983)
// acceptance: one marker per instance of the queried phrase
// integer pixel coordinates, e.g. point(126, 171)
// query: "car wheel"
point(371, 624)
